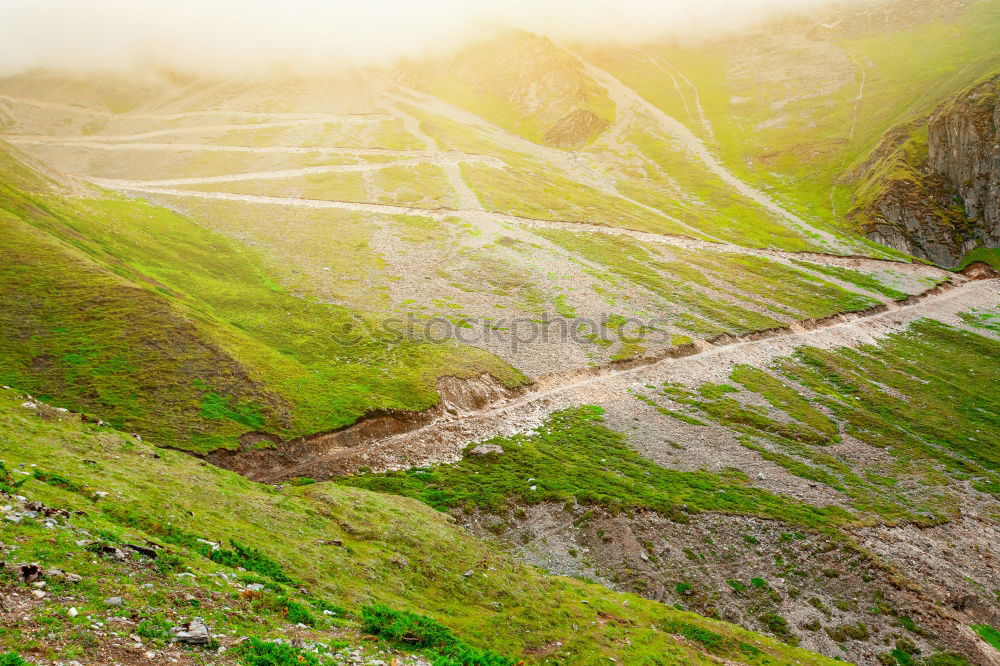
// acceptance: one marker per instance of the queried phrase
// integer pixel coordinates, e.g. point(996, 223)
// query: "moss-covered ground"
point(158, 325)
point(340, 549)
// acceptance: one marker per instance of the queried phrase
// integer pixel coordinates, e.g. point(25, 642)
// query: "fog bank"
point(237, 35)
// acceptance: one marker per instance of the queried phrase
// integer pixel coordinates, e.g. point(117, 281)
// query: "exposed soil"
point(741, 569)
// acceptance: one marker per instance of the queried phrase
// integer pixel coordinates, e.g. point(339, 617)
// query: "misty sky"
point(236, 34)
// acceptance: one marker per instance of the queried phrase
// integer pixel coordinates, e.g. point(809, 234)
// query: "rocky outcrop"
point(938, 199)
point(963, 145)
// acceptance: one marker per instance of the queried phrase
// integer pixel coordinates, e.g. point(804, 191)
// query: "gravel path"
point(130, 115)
point(442, 160)
point(199, 129)
point(442, 439)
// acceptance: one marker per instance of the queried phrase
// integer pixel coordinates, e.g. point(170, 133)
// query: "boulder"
point(193, 632)
point(486, 449)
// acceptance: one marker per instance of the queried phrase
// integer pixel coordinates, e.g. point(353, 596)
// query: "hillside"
point(528, 351)
point(798, 105)
point(205, 550)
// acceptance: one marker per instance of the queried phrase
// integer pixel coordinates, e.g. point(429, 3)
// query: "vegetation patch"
point(573, 456)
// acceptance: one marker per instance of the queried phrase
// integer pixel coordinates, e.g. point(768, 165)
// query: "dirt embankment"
point(265, 457)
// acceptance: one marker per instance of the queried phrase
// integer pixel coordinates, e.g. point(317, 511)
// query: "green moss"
point(573, 456)
point(785, 398)
point(989, 255)
point(988, 634)
point(862, 280)
point(422, 632)
point(937, 434)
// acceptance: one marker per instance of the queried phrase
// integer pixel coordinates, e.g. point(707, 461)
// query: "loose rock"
point(194, 632)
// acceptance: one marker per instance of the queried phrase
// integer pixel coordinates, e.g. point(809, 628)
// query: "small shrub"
point(296, 612)
point(156, 628)
point(713, 641)
point(58, 481)
point(251, 559)
point(778, 626)
point(423, 632)
point(841, 633)
point(12, 659)
point(256, 652)
point(167, 562)
point(9, 486)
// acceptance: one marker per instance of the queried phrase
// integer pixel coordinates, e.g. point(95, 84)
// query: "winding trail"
point(467, 199)
point(439, 160)
point(197, 129)
point(673, 72)
point(845, 261)
point(623, 96)
point(31, 140)
point(440, 434)
point(132, 115)
point(571, 164)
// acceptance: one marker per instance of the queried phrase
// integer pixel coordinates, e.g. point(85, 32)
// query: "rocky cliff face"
point(938, 197)
point(963, 145)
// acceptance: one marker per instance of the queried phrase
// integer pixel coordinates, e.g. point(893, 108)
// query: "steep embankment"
point(932, 188)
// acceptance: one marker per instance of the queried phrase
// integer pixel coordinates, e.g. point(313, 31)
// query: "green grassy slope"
point(523, 83)
point(348, 547)
point(783, 108)
point(157, 325)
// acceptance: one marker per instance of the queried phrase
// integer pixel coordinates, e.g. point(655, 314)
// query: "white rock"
point(485, 449)
point(194, 632)
point(38, 594)
point(72, 612)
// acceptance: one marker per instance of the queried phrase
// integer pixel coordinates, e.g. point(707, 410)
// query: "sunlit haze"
point(233, 36)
